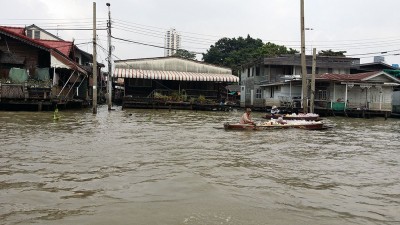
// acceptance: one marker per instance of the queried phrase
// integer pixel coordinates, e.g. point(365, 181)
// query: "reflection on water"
point(161, 167)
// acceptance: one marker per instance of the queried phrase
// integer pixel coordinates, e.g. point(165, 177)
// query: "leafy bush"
point(201, 99)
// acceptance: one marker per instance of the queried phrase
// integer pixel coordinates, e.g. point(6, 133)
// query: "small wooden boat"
point(307, 125)
point(292, 117)
point(239, 126)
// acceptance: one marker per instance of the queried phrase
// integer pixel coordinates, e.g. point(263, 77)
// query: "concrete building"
point(277, 80)
point(172, 42)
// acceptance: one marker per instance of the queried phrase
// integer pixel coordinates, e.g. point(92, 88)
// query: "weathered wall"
point(360, 98)
point(19, 50)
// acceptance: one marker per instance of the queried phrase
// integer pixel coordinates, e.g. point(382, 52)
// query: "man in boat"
point(274, 110)
point(246, 117)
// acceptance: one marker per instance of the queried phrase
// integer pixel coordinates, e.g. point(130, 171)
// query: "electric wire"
point(144, 75)
point(81, 24)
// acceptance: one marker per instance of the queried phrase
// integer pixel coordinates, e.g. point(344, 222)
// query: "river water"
point(159, 167)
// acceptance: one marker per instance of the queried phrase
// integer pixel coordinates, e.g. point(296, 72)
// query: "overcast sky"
point(363, 28)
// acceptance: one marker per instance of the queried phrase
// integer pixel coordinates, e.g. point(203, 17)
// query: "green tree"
point(331, 53)
point(232, 52)
point(185, 54)
point(271, 49)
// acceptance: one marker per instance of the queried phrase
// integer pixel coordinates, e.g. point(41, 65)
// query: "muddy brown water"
point(140, 166)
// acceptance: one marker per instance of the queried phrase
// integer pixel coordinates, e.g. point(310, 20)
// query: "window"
point(322, 94)
point(140, 82)
point(29, 33)
point(287, 70)
point(329, 70)
point(258, 93)
point(257, 71)
point(309, 70)
point(248, 72)
point(37, 34)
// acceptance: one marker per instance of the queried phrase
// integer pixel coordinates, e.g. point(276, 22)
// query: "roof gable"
point(34, 27)
point(54, 47)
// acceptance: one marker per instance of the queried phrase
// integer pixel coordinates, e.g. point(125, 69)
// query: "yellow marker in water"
point(55, 115)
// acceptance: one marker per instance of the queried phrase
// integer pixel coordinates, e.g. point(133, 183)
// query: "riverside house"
point(277, 80)
point(361, 94)
point(171, 82)
point(39, 70)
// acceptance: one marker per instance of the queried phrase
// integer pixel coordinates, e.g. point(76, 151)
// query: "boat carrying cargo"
point(293, 116)
point(273, 124)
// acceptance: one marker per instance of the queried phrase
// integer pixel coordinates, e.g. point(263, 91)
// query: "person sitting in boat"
point(246, 118)
point(274, 110)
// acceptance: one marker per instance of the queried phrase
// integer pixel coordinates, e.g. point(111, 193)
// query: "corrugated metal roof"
point(63, 46)
point(9, 31)
point(173, 75)
point(346, 77)
point(18, 30)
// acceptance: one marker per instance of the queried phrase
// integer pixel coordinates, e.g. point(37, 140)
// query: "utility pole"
point(109, 81)
point(314, 65)
point(94, 61)
point(303, 60)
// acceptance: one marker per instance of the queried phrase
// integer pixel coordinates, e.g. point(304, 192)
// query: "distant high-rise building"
point(378, 59)
point(172, 42)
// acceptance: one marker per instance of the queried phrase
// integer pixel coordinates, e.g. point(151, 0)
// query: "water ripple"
point(175, 167)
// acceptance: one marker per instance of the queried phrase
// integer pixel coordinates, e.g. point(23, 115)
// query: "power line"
point(162, 36)
point(144, 75)
point(147, 28)
point(74, 28)
point(168, 29)
point(357, 42)
point(156, 46)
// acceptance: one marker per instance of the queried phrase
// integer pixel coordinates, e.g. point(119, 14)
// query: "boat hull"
point(309, 126)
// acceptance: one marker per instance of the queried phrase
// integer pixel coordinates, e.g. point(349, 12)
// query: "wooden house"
point(39, 73)
point(370, 91)
point(171, 78)
point(392, 70)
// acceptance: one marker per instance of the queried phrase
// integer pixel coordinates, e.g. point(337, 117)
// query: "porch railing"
point(23, 91)
point(210, 94)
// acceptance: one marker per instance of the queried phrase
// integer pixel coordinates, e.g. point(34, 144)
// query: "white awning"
point(173, 75)
point(58, 60)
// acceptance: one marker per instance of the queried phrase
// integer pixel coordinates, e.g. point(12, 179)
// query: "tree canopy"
point(234, 52)
point(331, 53)
point(185, 54)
